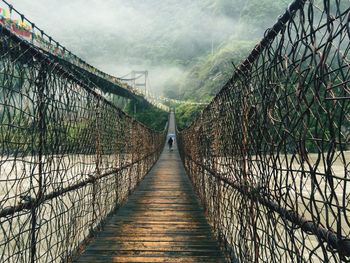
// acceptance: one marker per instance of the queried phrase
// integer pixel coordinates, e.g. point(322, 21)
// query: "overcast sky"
point(105, 33)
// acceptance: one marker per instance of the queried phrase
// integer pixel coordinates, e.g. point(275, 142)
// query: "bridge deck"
point(162, 221)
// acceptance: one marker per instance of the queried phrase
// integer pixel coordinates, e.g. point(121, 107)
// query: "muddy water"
point(63, 222)
point(321, 196)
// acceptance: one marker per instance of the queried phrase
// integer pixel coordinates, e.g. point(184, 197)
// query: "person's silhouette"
point(170, 143)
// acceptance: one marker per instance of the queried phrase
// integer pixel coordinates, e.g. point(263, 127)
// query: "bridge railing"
point(68, 157)
point(269, 157)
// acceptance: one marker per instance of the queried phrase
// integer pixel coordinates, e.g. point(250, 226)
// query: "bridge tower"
point(139, 80)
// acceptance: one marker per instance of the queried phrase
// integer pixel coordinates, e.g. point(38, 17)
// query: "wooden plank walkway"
point(162, 221)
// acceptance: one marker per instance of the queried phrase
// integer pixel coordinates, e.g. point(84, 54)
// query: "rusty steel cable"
point(68, 157)
point(269, 156)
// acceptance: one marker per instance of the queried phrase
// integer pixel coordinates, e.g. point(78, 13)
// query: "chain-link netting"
point(68, 157)
point(269, 157)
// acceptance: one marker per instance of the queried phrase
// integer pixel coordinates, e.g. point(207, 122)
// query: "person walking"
point(170, 143)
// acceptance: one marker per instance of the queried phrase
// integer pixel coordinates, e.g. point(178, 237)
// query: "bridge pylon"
point(139, 80)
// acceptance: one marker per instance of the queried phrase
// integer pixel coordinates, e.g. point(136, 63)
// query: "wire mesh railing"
point(269, 157)
point(68, 157)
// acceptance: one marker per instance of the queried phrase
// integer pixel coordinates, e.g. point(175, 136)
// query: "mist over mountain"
point(188, 46)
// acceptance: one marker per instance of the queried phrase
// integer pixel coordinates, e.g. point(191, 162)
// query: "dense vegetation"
point(147, 114)
point(186, 113)
point(211, 69)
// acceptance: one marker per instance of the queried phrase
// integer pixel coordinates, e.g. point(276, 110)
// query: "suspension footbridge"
point(262, 175)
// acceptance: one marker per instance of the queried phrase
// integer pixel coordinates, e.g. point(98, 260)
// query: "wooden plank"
point(136, 259)
point(154, 253)
point(162, 221)
point(149, 259)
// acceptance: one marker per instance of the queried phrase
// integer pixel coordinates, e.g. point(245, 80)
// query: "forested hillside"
point(211, 70)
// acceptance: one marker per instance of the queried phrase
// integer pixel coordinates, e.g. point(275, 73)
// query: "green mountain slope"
point(211, 68)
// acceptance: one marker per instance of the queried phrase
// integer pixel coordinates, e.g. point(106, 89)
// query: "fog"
point(117, 36)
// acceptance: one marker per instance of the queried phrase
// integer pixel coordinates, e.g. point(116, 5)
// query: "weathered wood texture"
point(162, 221)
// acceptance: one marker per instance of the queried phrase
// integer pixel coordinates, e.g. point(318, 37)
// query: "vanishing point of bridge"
point(264, 172)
